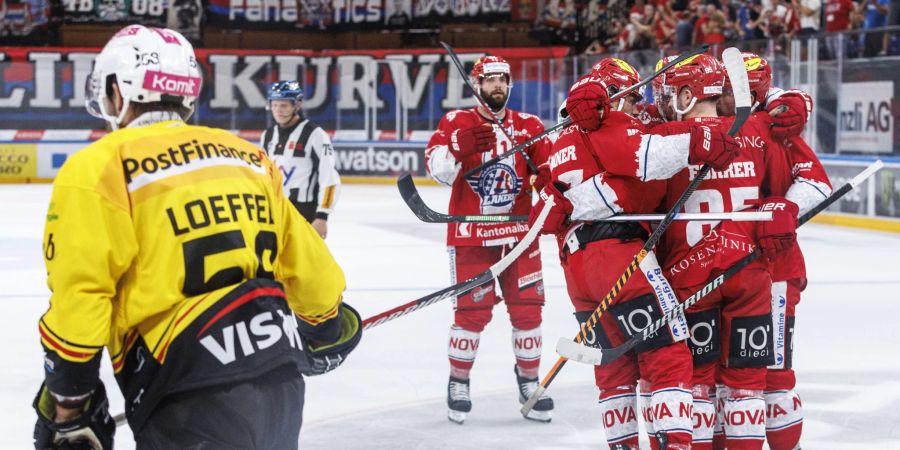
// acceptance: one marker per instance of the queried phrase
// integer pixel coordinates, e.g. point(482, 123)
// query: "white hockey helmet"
point(148, 65)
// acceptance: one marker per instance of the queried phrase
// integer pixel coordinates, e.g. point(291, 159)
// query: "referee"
point(303, 152)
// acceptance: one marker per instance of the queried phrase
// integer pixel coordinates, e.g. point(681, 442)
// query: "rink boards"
point(875, 206)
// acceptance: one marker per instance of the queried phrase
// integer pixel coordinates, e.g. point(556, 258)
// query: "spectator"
point(642, 27)
point(791, 20)
point(684, 29)
point(838, 18)
point(664, 27)
point(714, 28)
point(809, 12)
point(876, 12)
point(732, 30)
point(700, 24)
point(758, 20)
point(778, 20)
point(837, 15)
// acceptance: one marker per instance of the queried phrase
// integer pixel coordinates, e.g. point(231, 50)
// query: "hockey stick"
point(595, 356)
point(483, 103)
point(737, 72)
point(425, 214)
point(568, 121)
point(468, 285)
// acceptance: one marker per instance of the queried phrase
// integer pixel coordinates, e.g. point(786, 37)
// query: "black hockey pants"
point(265, 413)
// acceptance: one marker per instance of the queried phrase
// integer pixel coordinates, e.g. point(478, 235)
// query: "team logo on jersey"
point(479, 293)
point(497, 185)
point(291, 145)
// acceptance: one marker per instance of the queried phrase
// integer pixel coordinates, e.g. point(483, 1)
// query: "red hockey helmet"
point(703, 74)
point(490, 66)
point(618, 75)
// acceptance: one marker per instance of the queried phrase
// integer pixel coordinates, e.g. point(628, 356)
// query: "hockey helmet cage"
point(703, 74)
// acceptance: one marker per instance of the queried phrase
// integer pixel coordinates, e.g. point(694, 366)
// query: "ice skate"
point(459, 403)
point(543, 409)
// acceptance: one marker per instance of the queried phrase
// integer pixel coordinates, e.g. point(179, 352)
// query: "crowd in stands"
point(607, 26)
point(601, 26)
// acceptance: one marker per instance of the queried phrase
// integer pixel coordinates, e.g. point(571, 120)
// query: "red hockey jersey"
point(805, 183)
point(695, 251)
point(502, 188)
point(607, 154)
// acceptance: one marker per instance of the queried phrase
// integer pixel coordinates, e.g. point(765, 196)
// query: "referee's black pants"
point(306, 209)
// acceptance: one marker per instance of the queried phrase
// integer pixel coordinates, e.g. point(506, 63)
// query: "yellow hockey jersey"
point(149, 229)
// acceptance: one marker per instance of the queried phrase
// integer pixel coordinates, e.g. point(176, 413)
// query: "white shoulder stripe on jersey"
point(146, 178)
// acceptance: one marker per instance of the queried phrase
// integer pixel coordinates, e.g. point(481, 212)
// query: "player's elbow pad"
point(442, 166)
point(345, 331)
point(807, 193)
point(661, 157)
point(593, 199)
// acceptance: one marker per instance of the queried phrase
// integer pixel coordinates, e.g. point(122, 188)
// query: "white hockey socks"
point(672, 416)
point(619, 415)
point(527, 349)
point(784, 419)
point(704, 418)
point(718, 399)
point(461, 349)
point(644, 405)
point(745, 419)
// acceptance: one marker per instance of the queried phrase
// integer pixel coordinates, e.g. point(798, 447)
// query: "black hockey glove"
point(324, 358)
point(93, 429)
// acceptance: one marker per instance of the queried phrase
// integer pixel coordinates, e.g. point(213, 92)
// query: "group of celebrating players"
point(197, 346)
point(718, 376)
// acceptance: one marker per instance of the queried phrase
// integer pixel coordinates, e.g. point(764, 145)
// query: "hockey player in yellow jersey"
point(174, 247)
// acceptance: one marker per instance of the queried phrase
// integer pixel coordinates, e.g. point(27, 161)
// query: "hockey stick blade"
point(574, 351)
point(730, 55)
point(465, 286)
point(740, 85)
point(595, 356)
point(568, 121)
point(482, 102)
point(412, 198)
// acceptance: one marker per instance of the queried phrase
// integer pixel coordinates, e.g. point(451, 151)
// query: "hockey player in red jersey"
point(806, 184)
point(594, 253)
point(731, 329)
point(463, 140)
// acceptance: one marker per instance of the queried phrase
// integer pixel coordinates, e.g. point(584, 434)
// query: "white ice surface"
point(391, 392)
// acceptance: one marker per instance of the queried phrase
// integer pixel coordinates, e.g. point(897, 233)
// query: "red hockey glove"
point(790, 112)
point(588, 103)
point(560, 211)
point(780, 233)
point(469, 141)
point(542, 178)
point(712, 146)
